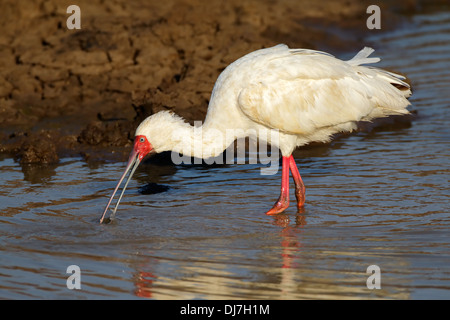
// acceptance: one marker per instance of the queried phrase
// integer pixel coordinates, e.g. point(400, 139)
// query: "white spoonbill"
point(301, 95)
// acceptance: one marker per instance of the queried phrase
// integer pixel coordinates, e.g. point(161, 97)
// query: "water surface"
point(378, 197)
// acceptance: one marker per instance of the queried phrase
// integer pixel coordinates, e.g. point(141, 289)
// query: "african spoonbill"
point(302, 95)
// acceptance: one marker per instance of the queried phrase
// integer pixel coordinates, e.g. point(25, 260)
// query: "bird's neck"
point(200, 141)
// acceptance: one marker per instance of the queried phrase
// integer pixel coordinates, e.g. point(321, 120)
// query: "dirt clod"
point(38, 151)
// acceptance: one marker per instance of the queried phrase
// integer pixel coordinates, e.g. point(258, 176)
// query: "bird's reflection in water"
point(291, 248)
point(144, 283)
point(284, 220)
point(290, 242)
point(149, 285)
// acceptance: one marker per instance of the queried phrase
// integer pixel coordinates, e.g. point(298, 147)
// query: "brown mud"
point(83, 92)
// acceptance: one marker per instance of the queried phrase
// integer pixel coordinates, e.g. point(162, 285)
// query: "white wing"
point(299, 91)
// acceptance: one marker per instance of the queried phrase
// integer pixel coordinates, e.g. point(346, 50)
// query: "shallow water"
point(379, 197)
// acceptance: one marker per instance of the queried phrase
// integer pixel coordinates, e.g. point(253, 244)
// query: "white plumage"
point(304, 95)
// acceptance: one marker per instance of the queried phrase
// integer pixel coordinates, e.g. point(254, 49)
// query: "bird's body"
point(301, 95)
point(305, 95)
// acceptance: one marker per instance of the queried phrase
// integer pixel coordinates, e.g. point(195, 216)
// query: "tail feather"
point(395, 80)
point(362, 57)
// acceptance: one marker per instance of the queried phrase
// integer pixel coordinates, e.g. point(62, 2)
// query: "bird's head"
point(141, 147)
point(159, 127)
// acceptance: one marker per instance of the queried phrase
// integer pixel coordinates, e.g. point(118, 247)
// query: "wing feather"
point(300, 91)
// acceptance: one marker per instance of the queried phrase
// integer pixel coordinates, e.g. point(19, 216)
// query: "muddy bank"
point(82, 92)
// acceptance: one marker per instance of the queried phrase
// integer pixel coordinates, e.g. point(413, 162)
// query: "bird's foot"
point(279, 206)
point(300, 195)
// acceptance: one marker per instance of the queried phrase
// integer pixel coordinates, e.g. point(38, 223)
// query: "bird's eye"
point(142, 139)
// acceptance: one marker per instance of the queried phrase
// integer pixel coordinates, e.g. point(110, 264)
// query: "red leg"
point(283, 200)
point(299, 186)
